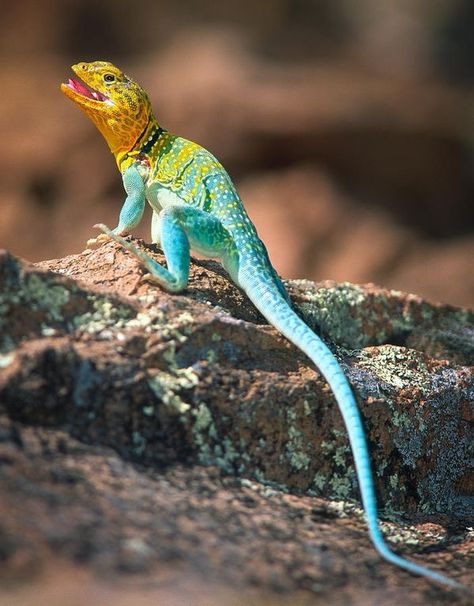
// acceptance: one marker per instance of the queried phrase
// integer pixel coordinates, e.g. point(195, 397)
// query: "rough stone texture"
point(181, 440)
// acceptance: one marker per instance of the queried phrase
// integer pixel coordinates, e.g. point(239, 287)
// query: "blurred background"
point(347, 125)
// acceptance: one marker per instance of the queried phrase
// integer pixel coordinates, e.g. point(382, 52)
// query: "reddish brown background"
point(347, 126)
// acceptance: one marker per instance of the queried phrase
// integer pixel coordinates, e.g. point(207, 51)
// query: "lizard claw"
point(96, 242)
point(103, 238)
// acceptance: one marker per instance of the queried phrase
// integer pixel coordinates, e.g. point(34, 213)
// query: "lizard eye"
point(109, 77)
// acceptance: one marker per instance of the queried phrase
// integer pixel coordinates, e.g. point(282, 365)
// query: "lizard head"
point(117, 105)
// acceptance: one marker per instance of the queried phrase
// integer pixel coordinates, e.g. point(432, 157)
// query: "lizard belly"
point(160, 197)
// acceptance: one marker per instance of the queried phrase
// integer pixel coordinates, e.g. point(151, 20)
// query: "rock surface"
point(181, 440)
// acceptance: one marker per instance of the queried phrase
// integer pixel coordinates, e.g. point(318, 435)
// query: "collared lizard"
point(196, 206)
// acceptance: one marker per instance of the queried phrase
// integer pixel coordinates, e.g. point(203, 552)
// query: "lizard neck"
point(142, 147)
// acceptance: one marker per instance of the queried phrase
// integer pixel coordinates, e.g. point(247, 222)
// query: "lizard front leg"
point(132, 209)
point(182, 226)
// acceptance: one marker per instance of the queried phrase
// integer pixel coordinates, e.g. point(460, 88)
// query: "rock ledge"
point(180, 437)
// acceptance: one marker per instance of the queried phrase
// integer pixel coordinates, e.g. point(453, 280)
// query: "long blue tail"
point(266, 297)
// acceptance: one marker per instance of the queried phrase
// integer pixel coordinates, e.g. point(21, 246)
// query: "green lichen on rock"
point(357, 316)
point(319, 483)
point(331, 311)
point(398, 367)
point(212, 446)
point(296, 449)
point(226, 455)
point(339, 484)
point(103, 314)
point(203, 433)
point(30, 290)
point(41, 299)
point(425, 422)
point(352, 317)
point(167, 387)
point(40, 294)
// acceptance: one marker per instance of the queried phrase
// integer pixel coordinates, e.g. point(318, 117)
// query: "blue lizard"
point(196, 206)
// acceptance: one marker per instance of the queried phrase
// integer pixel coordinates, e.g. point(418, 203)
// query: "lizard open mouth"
point(85, 91)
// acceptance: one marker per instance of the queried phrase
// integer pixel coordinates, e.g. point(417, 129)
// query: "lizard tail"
point(266, 297)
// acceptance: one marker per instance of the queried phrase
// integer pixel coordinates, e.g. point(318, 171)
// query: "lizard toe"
point(93, 243)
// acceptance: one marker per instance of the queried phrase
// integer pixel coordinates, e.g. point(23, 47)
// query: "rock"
point(171, 436)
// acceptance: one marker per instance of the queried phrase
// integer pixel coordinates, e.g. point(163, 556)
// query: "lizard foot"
point(151, 279)
point(93, 243)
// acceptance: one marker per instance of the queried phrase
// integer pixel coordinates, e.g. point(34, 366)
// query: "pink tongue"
point(80, 88)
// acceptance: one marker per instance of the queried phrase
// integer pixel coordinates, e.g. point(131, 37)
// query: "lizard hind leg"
point(174, 279)
point(180, 227)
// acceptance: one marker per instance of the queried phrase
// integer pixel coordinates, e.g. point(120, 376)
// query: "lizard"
point(196, 207)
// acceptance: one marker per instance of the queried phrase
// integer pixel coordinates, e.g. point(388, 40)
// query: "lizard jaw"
point(83, 94)
point(85, 91)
